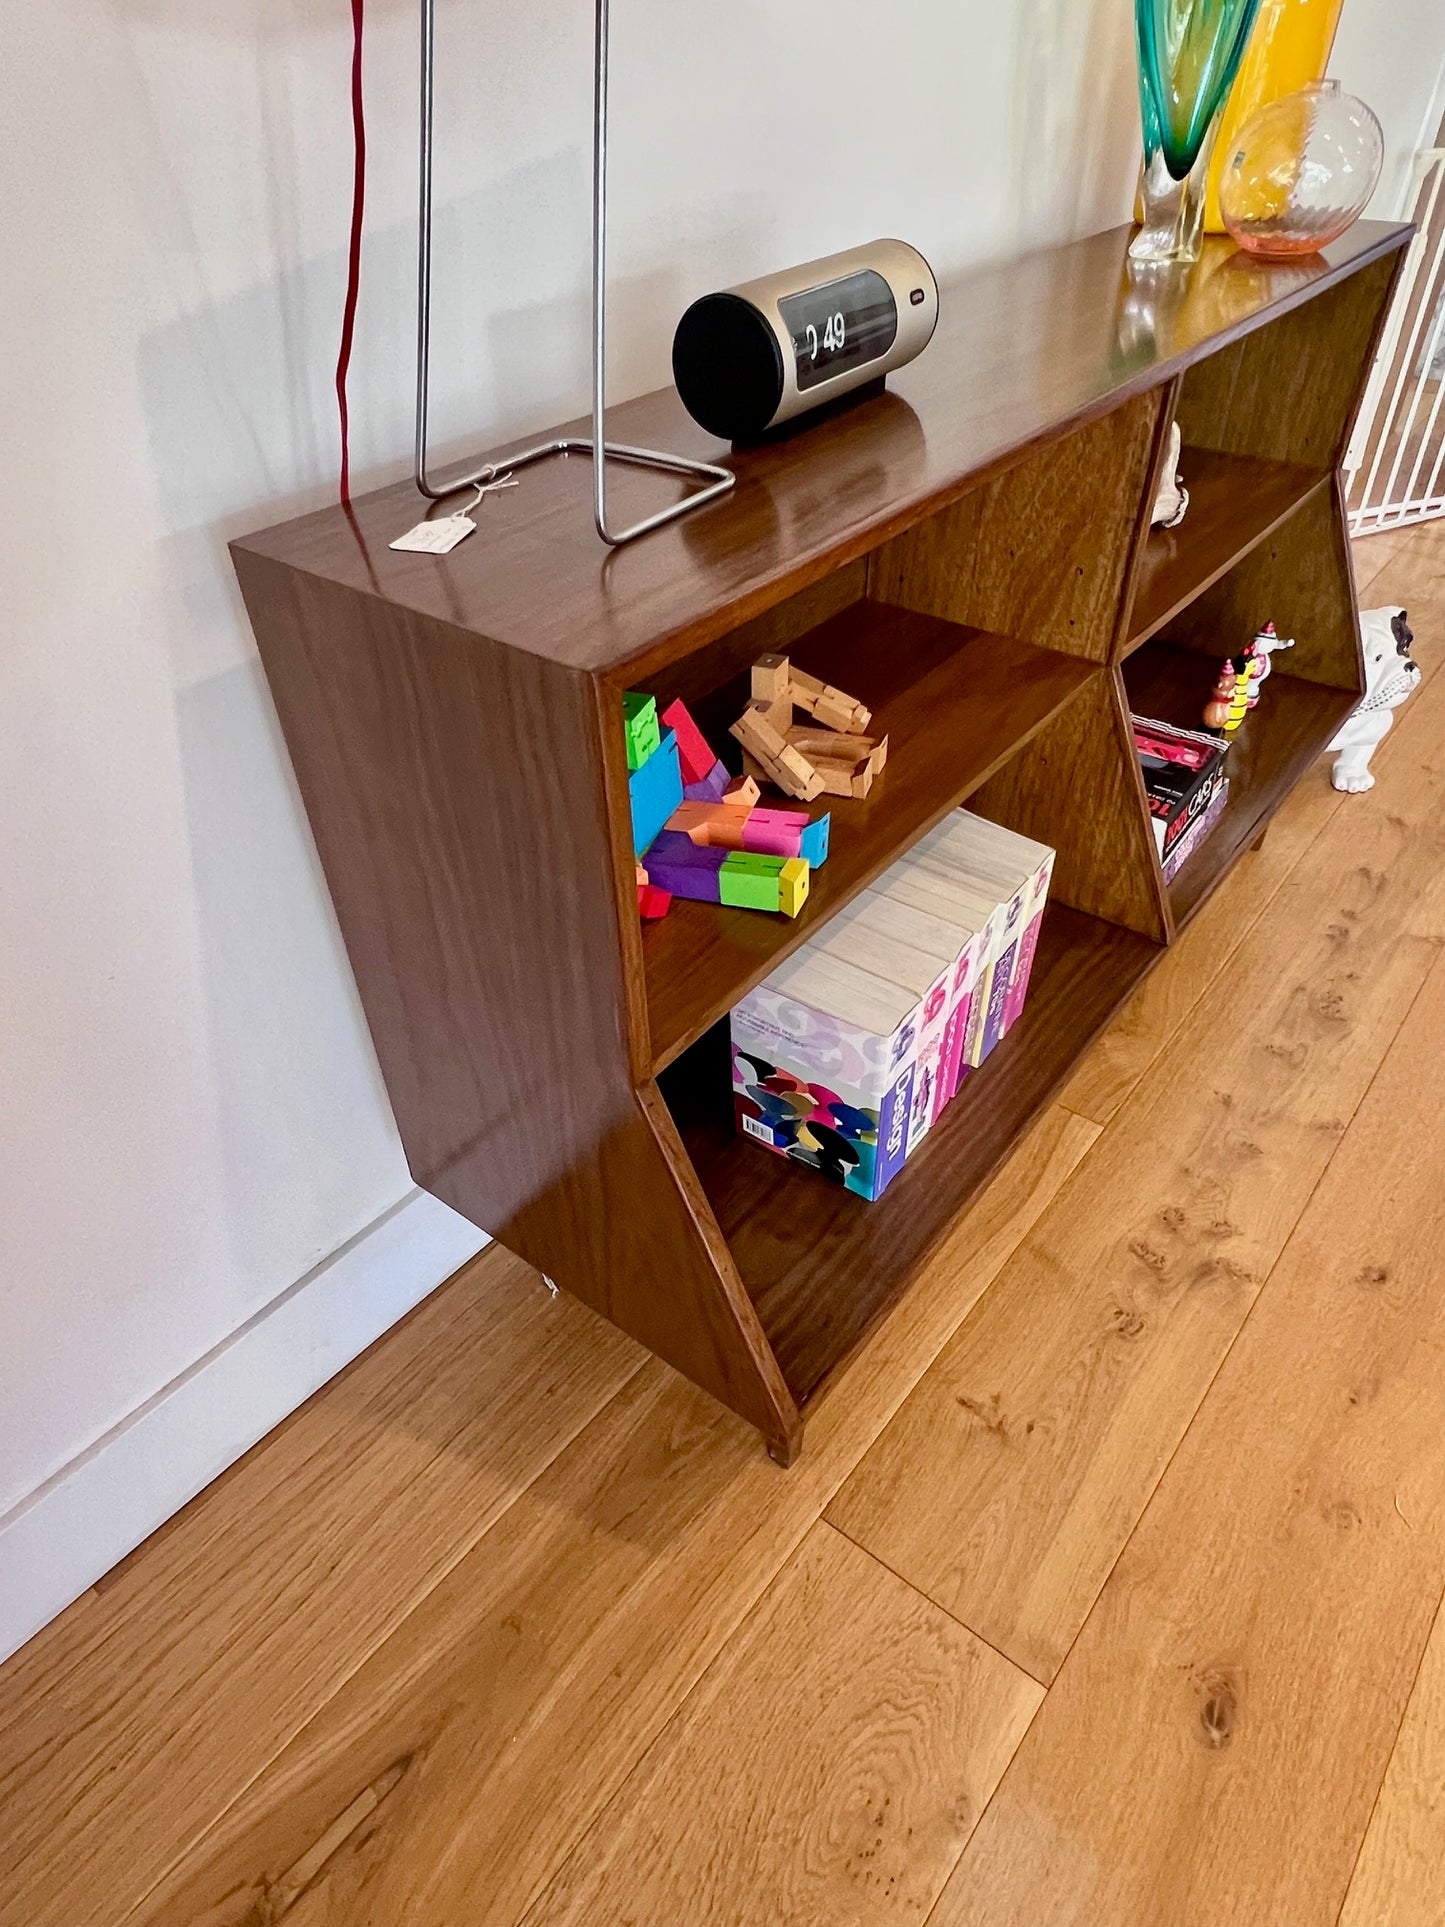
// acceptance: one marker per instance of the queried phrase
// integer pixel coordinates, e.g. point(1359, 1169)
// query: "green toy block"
point(747, 889)
point(643, 731)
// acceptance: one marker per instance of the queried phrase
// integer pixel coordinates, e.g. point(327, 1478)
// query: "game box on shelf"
point(845, 1056)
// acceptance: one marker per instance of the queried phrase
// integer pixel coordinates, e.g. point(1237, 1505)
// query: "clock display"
point(839, 325)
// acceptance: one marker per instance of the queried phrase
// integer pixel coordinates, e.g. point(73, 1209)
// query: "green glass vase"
point(1189, 52)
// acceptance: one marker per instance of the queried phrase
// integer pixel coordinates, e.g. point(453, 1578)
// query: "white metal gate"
point(1395, 464)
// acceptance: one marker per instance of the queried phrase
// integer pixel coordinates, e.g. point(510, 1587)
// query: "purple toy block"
point(711, 789)
point(689, 871)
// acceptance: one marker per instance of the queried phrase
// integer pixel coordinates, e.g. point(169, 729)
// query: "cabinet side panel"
point(1289, 391)
point(1045, 552)
point(455, 789)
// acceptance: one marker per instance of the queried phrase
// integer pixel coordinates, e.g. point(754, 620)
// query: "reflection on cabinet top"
point(1024, 349)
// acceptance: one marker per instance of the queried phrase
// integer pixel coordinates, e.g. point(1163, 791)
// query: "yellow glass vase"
point(1289, 47)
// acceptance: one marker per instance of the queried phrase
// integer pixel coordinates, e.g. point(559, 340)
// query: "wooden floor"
point(1103, 1592)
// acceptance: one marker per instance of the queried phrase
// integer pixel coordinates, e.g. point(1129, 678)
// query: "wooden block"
point(830, 743)
point(742, 793)
point(771, 679)
point(829, 705)
point(805, 781)
point(782, 765)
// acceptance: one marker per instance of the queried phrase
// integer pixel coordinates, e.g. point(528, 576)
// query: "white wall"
point(193, 1118)
point(1392, 54)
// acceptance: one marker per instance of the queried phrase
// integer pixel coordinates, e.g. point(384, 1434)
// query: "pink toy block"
point(693, 754)
point(775, 832)
point(652, 902)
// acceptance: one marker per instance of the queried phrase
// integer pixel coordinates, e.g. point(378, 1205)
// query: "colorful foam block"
point(656, 791)
point(750, 880)
point(639, 721)
point(652, 902)
point(774, 832)
point(695, 757)
point(692, 873)
point(701, 821)
point(742, 792)
point(713, 788)
point(813, 843)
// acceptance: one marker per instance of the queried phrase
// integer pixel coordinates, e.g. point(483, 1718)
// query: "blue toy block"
point(656, 791)
point(712, 787)
point(813, 843)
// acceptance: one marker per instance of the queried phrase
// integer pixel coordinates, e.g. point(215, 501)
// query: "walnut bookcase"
point(970, 554)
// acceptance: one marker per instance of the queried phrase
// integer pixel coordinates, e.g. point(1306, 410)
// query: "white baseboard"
point(69, 1531)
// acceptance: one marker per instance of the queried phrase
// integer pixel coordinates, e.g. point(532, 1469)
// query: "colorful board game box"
point(919, 951)
point(943, 893)
point(1182, 768)
point(1196, 833)
point(823, 1059)
point(1020, 862)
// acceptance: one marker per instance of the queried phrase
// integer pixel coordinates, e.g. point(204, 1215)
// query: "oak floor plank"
point(829, 1768)
point(131, 1723)
point(1399, 1878)
point(1010, 1479)
point(1212, 1746)
point(450, 1777)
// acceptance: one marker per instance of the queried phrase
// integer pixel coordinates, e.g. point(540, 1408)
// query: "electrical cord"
point(353, 266)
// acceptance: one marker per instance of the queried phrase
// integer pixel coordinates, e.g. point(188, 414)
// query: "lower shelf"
point(1268, 755)
point(821, 1265)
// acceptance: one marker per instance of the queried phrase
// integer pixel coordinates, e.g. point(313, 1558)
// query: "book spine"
point(997, 1000)
point(893, 1145)
point(1028, 944)
point(955, 1038)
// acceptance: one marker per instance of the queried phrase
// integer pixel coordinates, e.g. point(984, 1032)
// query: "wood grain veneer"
point(969, 552)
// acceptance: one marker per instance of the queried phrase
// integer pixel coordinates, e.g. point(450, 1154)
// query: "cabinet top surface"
point(1024, 349)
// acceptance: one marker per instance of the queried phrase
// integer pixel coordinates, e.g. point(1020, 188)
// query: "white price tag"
point(436, 538)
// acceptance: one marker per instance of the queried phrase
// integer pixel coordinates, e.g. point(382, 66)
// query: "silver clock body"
point(754, 357)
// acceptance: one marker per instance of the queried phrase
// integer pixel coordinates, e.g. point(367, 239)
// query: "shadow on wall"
point(1055, 42)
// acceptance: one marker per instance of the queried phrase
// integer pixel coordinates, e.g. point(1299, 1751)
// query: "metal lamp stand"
point(719, 480)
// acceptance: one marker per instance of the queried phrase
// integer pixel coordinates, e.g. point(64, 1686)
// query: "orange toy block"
point(700, 820)
point(742, 793)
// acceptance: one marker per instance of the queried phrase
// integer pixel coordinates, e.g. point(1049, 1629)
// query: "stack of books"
point(846, 1056)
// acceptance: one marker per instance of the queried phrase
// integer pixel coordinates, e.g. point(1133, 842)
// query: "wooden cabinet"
point(968, 552)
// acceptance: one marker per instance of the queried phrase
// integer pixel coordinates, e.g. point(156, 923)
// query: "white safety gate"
point(1395, 464)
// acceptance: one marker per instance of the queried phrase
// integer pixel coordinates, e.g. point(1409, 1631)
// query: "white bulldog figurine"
point(1390, 678)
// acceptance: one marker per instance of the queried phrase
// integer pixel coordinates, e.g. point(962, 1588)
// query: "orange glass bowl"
point(1300, 171)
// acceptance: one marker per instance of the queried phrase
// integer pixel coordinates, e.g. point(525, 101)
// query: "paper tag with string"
point(442, 536)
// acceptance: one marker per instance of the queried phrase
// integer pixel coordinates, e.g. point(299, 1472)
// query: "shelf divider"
point(1235, 501)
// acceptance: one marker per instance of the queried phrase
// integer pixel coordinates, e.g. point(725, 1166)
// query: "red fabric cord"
point(353, 269)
